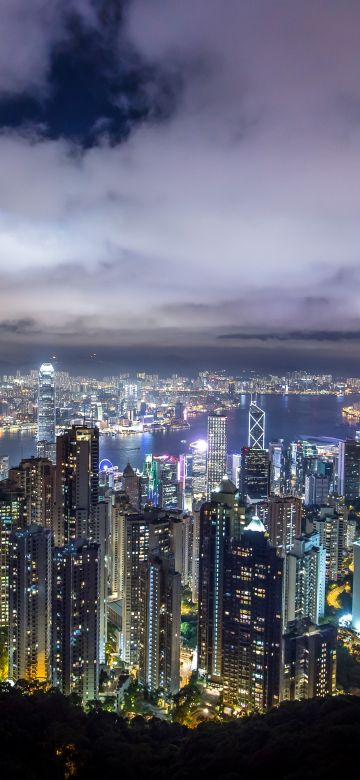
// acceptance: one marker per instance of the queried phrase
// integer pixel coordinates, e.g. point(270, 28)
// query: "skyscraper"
point(199, 469)
point(254, 475)
point(76, 616)
point(317, 487)
point(135, 538)
point(304, 583)
point(349, 470)
point(220, 518)
point(159, 635)
point(77, 484)
point(256, 438)
point(12, 518)
point(281, 516)
point(36, 477)
point(308, 668)
point(252, 621)
point(30, 604)
point(46, 408)
point(356, 588)
point(217, 451)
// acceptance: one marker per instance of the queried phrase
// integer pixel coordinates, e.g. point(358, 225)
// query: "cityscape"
point(179, 389)
point(203, 585)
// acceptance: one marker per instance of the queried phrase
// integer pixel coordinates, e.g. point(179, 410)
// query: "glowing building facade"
point(46, 410)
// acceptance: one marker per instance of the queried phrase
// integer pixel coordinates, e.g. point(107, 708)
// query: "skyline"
point(180, 188)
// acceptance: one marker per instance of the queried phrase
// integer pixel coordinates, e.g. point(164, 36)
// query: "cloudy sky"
point(180, 182)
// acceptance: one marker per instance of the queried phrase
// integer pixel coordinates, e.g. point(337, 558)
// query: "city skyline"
point(190, 162)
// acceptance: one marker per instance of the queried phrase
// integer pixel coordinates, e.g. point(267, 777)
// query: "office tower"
point(162, 486)
point(356, 588)
point(179, 411)
point(120, 507)
point(199, 450)
point(233, 468)
point(328, 523)
point(46, 409)
point(135, 538)
point(4, 467)
point(220, 518)
point(308, 668)
point(303, 459)
point(255, 475)
point(30, 604)
point(304, 582)
point(195, 554)
point(131, 486)
point(75, 644)
point(36, 477)
point(317, 487)
point(281, 516)
point(349, 470)
point(159, 635)
point(252, 621)
point(12, 518)
point(217, 451)
point(256, 439)
point(277, 467)
point(187, 522)
point(77, 484)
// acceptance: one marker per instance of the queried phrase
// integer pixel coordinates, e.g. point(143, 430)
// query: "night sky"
point(180, 184)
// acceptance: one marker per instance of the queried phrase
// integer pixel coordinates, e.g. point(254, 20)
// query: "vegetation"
point(348, 670)
point(45, 735)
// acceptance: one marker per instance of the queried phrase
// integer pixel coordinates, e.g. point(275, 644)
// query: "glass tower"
point(46, 408)
point(217, 451)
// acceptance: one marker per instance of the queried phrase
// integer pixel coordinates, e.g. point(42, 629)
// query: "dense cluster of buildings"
point(256, 536)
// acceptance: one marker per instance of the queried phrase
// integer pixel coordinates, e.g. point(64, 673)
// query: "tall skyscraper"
point(46, 409)
point(4, 467)
point(281, 516)
point(36, 477)
point(12, 518)
point(254, 475)
point(217, 451)
point(304, 583)
point(328, 523)
point(220, 519)
point(256, 438)
point(308, 668)
point(277, 467)
point(135, 538)
point(30, 604)
point(159, 636)
point(199, 469)
point(349, 470)
point(252, 621)
point(76, 616)
point(77, 484)
point(131, 486)
point(317, 487)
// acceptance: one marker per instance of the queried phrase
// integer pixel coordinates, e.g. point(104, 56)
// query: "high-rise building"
point(252, 621)
point(30, 604)
point(308, 668)
point(217, 451)
point(349, 470)
point(46, 408)
point(135, 538)
point(159, 635)
point(356, 588)
point(220, 518)
point(317, 487)
point(328, 523)
point(199, 469)
point(281, 516)
point(76, 616)
point(254, 475)
point(304, 581)
point(256, 440)
point(277, 467)
point(12, 518)
point(36, 477)
point(77, 484)
point(131, 486)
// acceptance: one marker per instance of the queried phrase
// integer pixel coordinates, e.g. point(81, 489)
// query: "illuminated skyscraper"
point(76, 618)
point(12, 518)
point(304, 584)
point(356, 588)
point(254, 475)
point(349, 470)
point(30, 604)
point(256, 427)
point(36, 477)
point(252, 621)
point(77, 484)
point(4, 467)
point(308, 661)
point(159, 636)
point(281, 516)
point(199, 469)
point(217, 451)
point(46, 409)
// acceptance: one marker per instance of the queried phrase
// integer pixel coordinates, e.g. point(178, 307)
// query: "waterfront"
point(288, 417)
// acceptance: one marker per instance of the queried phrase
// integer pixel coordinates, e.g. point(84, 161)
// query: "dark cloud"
point(296, 335)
